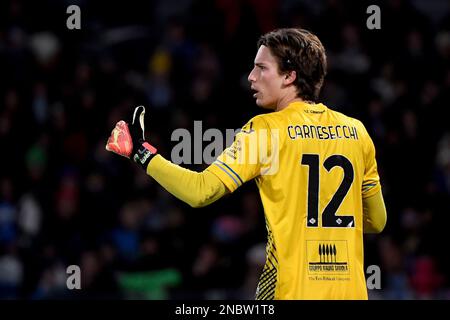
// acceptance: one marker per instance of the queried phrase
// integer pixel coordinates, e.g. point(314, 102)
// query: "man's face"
point(265, 80)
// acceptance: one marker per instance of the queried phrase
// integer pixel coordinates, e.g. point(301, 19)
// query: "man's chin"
point(263, 105)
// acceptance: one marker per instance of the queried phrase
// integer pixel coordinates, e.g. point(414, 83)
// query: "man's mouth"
point(255, 92)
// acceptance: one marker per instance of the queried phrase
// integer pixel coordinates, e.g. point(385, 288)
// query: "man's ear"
point(290, 77)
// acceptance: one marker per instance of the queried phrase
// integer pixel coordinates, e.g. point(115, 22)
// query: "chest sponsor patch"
point(327, 257)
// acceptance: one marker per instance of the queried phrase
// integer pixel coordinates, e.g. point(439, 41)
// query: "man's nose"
point(251, 77)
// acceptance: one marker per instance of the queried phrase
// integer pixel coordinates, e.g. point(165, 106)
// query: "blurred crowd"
point(65, 201)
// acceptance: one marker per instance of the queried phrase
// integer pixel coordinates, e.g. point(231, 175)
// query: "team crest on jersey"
point(327, 257)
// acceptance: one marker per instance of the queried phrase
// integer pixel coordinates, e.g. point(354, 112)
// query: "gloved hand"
point(128, 140)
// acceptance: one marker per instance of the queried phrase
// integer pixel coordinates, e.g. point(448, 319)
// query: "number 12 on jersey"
point(329, 217)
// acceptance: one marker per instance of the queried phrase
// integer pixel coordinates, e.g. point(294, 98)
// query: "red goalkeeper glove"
point(129, 140)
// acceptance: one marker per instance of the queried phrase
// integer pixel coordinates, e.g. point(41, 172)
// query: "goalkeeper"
point(317, 178)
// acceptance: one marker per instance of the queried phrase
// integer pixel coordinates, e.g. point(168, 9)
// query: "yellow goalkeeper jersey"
point(313, 166)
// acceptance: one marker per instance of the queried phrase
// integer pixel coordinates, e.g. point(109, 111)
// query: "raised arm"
point(197, 189)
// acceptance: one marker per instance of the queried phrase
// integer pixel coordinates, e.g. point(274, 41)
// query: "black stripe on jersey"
point(268, 280)
point(270, 295)
point(271, 255)
point(267, 286)
point(268, 273)
point(269, 289)
point(271, 244)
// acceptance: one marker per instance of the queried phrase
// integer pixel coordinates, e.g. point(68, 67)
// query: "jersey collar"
point(307, 105)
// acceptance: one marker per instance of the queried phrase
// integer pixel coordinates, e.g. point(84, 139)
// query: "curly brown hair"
point(301, 51)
